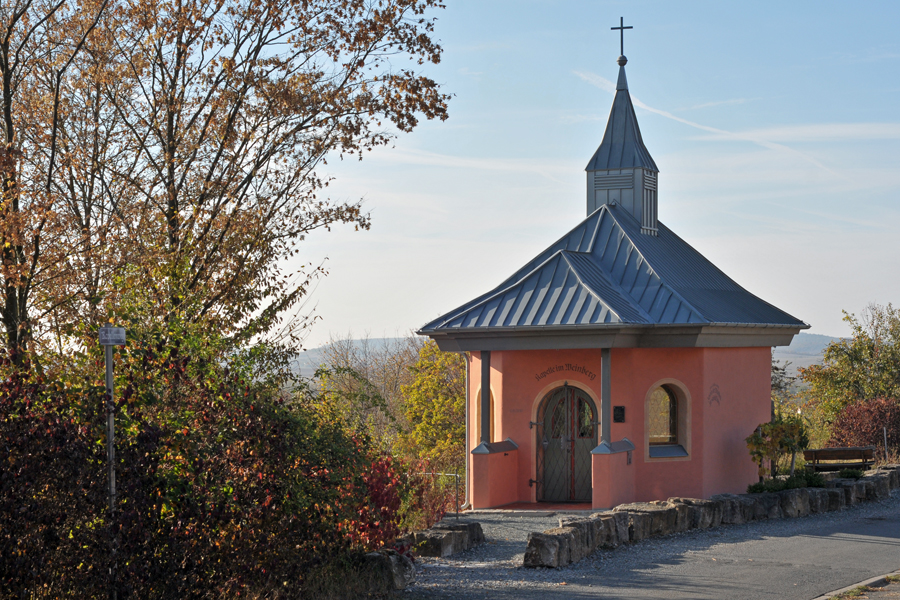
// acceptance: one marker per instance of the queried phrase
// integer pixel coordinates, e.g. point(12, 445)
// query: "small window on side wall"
point(663, 417)
point(668, 420)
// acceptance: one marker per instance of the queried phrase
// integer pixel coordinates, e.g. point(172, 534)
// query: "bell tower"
point(622, 170)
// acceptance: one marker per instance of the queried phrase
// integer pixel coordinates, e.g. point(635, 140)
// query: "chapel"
point(619, 365)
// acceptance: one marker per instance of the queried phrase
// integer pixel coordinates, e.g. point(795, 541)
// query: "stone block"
point(703, 514)
point(389, 571)
point(542, 550)
point(750, 509)
point(880, 486)
point(848, 487)
point(732, 508)
point(818, 500)
point(794, 503)
point(584, 532)
point(619, 528)
point(663, 516)
point(893, 477)
point(438, 543)
point(768, 506)
point(472, 534)
point(683, 516)
point(570, 549)
point(836, 499)
point(638, 526)
point(608, 537)
point(862, 493)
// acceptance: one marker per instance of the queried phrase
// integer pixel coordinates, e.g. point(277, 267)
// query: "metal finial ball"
point(622, 60)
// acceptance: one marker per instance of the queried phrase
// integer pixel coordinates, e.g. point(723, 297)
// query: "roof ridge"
point(662, 281)
point(590, 290)
point(497, 291)
point(612, 283)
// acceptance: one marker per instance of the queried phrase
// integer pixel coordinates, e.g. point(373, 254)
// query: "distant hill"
point(310, 360)
point(806, 349)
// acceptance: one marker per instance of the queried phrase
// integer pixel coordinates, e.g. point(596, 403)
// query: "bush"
point(862, 423)
point(224, 488)
point(850, 473)
point(799, 480)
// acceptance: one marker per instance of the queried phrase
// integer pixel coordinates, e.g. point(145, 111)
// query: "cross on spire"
point(621, 29)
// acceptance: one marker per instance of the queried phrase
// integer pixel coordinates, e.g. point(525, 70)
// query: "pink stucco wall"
point(727, 391)
point(495, 479)
point(613, 480)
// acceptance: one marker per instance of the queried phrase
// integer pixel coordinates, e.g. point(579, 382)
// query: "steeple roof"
point(605, 276)
point(622, 146)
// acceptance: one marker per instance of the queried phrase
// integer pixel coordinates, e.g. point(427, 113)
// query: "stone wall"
point(444, 539)
point(577, 537)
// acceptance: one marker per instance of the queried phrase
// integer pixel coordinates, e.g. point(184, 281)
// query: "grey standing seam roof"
point(605, 272)
point(622, 146)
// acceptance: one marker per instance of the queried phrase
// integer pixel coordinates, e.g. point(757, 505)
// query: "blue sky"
point(775, 126)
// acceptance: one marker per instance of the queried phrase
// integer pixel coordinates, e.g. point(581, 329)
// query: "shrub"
point(862, 423)
point(850, 473)
point(224, 488)
point(799, 480)
point(783, 435)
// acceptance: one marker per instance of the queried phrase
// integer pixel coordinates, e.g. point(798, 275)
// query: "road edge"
point(879, 581)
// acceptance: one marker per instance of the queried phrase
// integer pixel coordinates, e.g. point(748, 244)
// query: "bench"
point(863, 457)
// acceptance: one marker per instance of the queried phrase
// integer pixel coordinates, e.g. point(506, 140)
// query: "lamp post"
point(109, 337)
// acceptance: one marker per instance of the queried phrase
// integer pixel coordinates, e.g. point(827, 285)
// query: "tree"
point(196, 131)
point(862, 367)
point(362, 380)
point(40, 43)
point(436, 408)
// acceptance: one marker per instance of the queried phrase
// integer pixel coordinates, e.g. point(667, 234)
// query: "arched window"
point(667, 421)
point(663, 416)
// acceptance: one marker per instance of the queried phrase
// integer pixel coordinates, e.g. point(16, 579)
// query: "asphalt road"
point(785, 559)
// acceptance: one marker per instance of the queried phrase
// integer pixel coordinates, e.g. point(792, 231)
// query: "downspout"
point(605, 400)
point(486, 396)
point(466, 505)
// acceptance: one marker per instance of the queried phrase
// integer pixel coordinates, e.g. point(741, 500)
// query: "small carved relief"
point(714, 395)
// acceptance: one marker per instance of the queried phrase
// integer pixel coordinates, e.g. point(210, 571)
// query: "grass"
point(861, 591)
point(857, 592)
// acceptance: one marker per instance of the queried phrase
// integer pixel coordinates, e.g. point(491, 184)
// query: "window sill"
point(668, 451)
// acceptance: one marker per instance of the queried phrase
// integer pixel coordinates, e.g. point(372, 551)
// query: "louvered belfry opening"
point(622, 172)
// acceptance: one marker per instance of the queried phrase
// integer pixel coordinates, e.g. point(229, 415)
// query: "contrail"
point(609, 86)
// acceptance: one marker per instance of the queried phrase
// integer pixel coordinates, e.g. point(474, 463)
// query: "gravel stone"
point(495, 569)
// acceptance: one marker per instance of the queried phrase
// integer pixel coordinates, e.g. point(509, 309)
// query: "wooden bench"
point(863, 457)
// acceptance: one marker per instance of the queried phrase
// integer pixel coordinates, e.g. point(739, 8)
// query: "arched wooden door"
point(567, 432)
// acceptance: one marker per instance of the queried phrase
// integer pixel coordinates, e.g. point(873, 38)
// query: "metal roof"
point(622, 146)
point(605, 273)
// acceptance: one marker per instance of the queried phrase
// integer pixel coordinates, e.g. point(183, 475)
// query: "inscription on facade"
point(567, 367)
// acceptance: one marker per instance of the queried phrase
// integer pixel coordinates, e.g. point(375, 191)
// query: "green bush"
point(799, 480)
point(850, 473)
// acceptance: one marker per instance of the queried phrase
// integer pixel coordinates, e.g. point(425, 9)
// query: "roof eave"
point(688, 335)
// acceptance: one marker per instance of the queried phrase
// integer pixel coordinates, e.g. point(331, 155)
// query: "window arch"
point(667, 421)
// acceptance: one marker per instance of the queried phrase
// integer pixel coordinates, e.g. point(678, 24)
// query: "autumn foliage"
point(223, 485)
point(863, 424)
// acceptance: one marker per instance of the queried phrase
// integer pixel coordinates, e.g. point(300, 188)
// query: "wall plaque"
point(618, 414)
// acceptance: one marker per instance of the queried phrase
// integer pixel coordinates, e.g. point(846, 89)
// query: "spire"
point(622, 170)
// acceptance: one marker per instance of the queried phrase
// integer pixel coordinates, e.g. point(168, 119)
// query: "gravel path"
point(786, 559)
